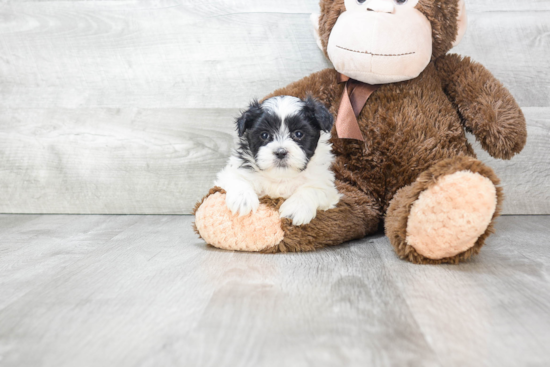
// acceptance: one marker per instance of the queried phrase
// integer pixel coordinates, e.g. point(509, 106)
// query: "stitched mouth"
point(373, 54)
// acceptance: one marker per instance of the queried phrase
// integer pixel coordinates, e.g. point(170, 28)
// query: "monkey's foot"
point(449, 217)
point(355, 216)
point(222, 229)
point(445, 216)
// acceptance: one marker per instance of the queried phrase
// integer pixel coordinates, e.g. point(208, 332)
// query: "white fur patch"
point(283, 106)
point(267, 160)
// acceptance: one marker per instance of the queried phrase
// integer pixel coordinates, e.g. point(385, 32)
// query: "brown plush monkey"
point(413, 167)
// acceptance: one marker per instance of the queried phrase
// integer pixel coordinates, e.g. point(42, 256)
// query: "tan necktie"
point(355, 97)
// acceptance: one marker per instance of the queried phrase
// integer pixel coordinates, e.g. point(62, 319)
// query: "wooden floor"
point(144, 291)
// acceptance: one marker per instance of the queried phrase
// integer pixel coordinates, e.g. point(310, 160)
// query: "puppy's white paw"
point(242, 201)
point(300, 211)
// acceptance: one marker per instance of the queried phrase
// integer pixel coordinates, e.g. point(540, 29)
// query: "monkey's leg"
point(355, 216)
point(446, 214)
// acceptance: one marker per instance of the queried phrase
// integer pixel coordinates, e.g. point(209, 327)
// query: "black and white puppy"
point(283, 152)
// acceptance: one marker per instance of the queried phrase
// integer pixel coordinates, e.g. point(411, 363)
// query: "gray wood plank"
point(468, 313)
point(162, 161)
point(150, 54)
point(111, 161)
point(514, 46)
point(10, 223)
point(475, 6)
point(28, 259)
point(154, 295)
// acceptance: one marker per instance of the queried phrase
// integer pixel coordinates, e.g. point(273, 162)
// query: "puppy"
point(283, 152)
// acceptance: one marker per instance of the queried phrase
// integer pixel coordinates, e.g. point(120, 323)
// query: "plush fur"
point(448, 218)
point(354, 217)
point(415, 137)
point(283, 152)
point(397, 216)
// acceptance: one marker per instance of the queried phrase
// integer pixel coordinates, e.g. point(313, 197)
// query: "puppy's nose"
point(281, 153)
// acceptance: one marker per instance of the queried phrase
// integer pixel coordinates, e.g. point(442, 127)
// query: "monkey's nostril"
point(281, 153)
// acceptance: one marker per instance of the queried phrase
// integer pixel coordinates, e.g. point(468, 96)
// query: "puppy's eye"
point(264, 136)
point(401, 2)
point(361, 1)
point(298, 135)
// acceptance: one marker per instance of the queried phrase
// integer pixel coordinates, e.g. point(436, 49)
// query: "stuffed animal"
point(402, 106)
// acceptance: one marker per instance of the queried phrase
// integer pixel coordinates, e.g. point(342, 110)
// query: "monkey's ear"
point(248, 117)
point(462, 22)
point(315, 22)
point(322, 115)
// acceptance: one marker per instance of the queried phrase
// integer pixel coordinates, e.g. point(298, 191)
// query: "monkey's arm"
point(487, 108)
point(322, 86)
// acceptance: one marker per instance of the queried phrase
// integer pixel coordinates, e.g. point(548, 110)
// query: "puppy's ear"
point(248, 117)
point(322, 115)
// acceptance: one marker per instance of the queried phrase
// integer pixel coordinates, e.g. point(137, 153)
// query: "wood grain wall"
point(127, 106)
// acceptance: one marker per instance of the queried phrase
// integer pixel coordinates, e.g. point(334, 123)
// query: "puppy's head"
point(282, 133)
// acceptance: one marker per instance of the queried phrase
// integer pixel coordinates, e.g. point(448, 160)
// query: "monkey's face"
point(381, 41)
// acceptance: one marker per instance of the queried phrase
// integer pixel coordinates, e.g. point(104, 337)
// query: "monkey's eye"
point(298, 135)
point(361, 1)
point(264, 136)
point(401, 2)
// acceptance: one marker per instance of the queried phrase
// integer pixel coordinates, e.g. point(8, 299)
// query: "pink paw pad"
point(449, 217)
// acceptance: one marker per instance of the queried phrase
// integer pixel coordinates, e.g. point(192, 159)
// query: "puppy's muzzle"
point(281, 153)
